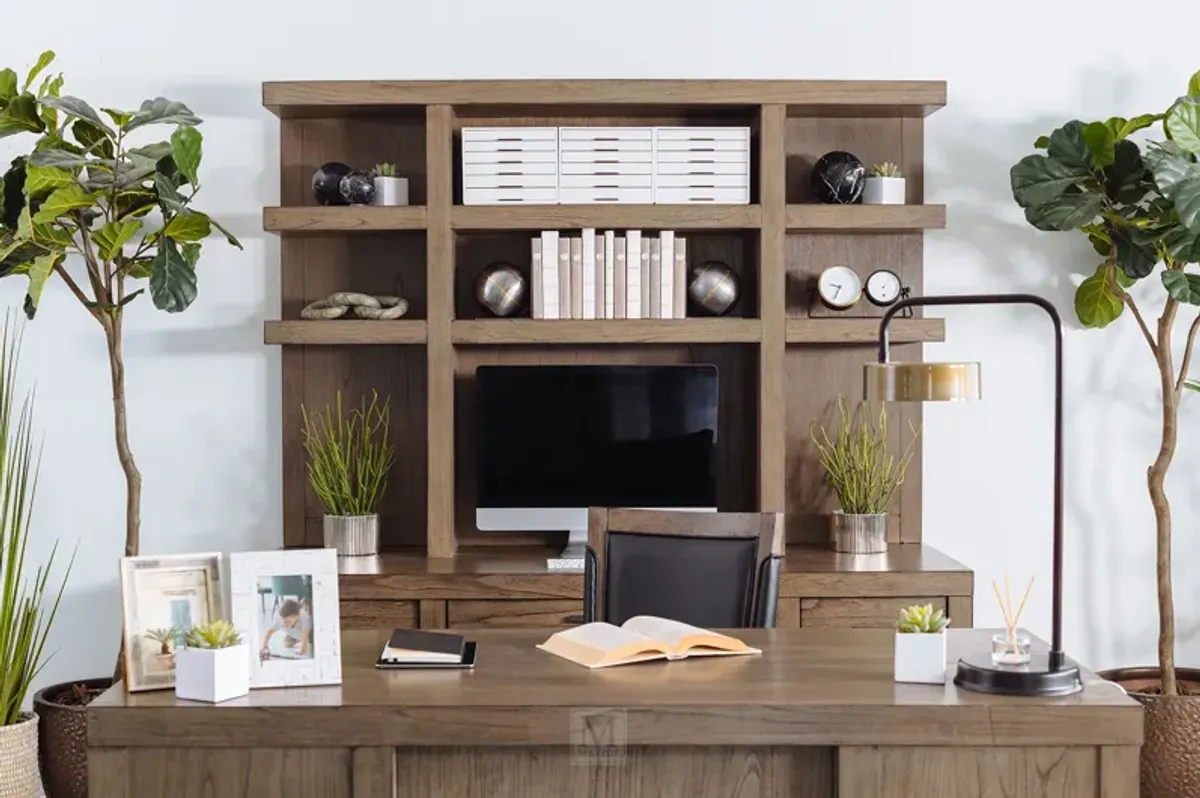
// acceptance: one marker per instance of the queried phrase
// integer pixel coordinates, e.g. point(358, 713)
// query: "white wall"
point(204, 392)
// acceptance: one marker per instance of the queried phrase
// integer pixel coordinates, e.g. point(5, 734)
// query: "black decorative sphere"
point(325, 183)
point(358, 188)
point(838, 178)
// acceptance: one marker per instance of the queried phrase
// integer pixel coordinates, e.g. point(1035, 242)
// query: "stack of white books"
point(609, 275)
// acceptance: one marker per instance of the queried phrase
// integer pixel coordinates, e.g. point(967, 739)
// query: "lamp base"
point(977, 673)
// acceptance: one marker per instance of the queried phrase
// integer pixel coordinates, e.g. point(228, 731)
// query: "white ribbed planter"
point(19, 776)
point(352, 535)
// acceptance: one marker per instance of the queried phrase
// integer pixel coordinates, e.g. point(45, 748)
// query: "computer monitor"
point(554, 440)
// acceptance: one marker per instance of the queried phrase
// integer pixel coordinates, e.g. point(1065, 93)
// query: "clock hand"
point(837, 286)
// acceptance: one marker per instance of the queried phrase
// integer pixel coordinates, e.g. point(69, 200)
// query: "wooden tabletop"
point(809, 687)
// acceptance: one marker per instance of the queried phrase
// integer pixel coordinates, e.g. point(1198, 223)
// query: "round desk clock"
point(839, 287)
point(883, 287)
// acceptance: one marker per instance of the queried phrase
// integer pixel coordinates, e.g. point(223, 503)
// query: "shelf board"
point(608, 217)
point(845, 98)
point(344, 331)
point(863, 331)
point(610, 331)
point(815, 218)
point(350, 218)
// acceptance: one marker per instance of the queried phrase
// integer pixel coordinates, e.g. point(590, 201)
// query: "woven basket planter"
point(19, 759)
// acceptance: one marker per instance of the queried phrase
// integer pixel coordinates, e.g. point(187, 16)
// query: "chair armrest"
point(767, 600)
point(590, 568)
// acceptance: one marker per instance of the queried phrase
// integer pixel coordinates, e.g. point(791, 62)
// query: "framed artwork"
point(285, 604)
point(161, 599)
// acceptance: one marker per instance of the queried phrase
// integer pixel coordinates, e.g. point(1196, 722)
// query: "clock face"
point(883, 287)
point(839, 287)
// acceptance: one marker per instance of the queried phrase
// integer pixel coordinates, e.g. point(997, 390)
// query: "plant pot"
point(166, 661)
point(212, 674)
point(352, 535)
point(62, 739)
point(19, 758)
point(921, 658)
point(854, 533)
point(1171, 751)
point(883, 191)
point(390, 191)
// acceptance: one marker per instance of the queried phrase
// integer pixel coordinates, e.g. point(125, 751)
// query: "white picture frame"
point(285, 605)
point(163, 592)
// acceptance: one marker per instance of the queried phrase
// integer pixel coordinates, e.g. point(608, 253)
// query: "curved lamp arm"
point(1056, 650)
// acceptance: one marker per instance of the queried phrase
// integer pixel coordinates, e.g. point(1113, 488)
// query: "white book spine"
point(598, 276)
point(589, 273)
point(655, 278)
point(609, 265)
point(537, 307)
point(681, 278)
point(550, 306)
point(564, 277)
point(644, 256)
point(577, 278)
point(621, 277)
point(633, 274)
point(666, 299)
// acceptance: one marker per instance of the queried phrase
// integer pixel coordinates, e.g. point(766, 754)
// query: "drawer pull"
point(700, 199)
point(608, 199)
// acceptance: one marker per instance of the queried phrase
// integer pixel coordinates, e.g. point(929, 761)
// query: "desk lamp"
point(1047, 673)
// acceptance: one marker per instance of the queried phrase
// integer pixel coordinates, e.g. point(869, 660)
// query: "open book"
point(644, 637)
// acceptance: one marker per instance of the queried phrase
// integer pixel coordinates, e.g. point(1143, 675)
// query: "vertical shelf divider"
point(772, 409)
point(439, 348)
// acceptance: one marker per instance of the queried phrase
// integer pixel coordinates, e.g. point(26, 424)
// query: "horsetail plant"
point(349, 455)
point(858, 465)
point(921, 620)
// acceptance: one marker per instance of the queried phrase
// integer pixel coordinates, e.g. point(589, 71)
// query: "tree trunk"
point(1156, 477)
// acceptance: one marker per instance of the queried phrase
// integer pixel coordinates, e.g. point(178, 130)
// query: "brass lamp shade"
point(921, 382)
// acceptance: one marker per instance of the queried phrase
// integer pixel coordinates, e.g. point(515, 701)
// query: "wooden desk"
point(816, 716)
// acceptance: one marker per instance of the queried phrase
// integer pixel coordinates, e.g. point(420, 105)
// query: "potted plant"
point(213, 665)
point(27, 604)
point(166, 640)
point(884, 185)
point(389, 189)
point(1139, 206)
point(113, 220)
point(921, 645)
point(864, 475)
point(349, 457)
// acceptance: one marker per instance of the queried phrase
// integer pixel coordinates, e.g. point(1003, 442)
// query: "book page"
point(681, 636)
point(599, 644)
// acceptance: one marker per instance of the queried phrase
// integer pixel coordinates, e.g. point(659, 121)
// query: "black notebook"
point(412, 648)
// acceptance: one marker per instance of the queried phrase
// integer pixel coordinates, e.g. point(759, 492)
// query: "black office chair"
point(714, 570)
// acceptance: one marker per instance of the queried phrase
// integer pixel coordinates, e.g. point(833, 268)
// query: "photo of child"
point(286, 617)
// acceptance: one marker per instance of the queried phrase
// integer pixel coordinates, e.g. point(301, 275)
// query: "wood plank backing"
point(512, 614)
point(1120, 771)
point(374, 772)
point(860, 613)
point(961, 610)
point(240, 772)
point(433, 614)
point(108, 772)
point(379, 614)
point(787, 613)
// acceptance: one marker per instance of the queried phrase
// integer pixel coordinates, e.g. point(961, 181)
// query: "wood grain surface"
point(343, 219)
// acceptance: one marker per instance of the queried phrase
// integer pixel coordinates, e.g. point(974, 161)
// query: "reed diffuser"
point(1009, 647)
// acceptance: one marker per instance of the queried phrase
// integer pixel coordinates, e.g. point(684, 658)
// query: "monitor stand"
point(571, 558)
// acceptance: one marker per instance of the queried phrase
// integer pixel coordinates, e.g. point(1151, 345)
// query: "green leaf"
point(1067, 146)
point(228, 235)
point(151, 153)
point(1066, 212)
point(134, 203)
point(51, 87)
point(139, 268)
point(1100, 142)
point(193, 226)
point(1183, 123)
point(21, 116)
point(172, 279)
point(130, 297)
point(113, 235)
point(40, 180)
point(160, 111)
point(1130, 126)
point(1178, 178)
point(1037, 179)
point(59, 159)
point(119, 118)
point(191, 253)
point(1095, 303)
point(1183, 287)
point(1041, 143)
point(93, 139)
point(8, 86)
point(1183, 245)
point(39, 273)
point(1136, 259)
point(1124, 177)
point(1194, 85)
point(73, 106)
point(186, 147)
point(63, 201)
point(43, 61)
point(168, 197)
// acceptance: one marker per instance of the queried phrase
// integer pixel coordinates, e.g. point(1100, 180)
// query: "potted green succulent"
point(390, 188)
point(884, 185)
point(349, 458)
point(28, 604)
point(99, 204)
point(1139, 206)
point(864, 473)
point(921, 645)
point(214, 664)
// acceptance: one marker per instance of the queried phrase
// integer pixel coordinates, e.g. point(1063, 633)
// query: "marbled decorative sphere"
point(326, 183)
point(838, 178)
point(500, 288)
point(357, 188)
point(714, 288)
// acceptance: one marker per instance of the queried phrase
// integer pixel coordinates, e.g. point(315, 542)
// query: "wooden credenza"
point(818, 588)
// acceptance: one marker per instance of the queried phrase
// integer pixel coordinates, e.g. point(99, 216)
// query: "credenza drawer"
point(379, 614)
point(466, 614)
point(860, 613)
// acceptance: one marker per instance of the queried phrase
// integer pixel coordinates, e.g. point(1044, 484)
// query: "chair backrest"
point(707, 569)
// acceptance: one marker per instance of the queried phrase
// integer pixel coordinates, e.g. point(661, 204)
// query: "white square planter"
point(212, 674)
point(390, 191)
point(883, 191)
point(921, 658)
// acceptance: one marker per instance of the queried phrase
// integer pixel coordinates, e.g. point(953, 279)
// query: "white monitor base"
point(573, 555)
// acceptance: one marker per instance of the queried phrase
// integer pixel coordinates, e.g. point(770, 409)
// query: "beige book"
point(577, 278)
point(619, 277)
point(564, 277)
point(538, 306)
point(641, 638)
point(644, 254)
point(681, 278)
point(656, 278)
point(598, 265)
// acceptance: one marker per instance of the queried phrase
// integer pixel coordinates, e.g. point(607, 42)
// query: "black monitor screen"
point(609, 436)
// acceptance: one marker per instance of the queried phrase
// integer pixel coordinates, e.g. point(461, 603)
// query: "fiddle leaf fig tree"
point(1139, 207)
point(101, 201)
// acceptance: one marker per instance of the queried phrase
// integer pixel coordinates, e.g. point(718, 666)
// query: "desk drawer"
point(537, 613)
point(379, 615)
point(860, 613)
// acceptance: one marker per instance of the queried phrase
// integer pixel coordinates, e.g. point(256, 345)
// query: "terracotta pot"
point(19, 758)
point(62, 740)
point(1171, 751)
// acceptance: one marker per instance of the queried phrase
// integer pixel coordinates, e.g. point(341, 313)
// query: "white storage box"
point(643, 167)
point(510, 168)
point(606, 181)
point(510, 181)
point(685, 196)
point(702, 165)
point(510, 196)
point(510, 165)
point(702, 181)
point(582, 196)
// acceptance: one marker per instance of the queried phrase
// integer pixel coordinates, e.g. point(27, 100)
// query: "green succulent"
point(918, 620)
point(885, 169)
point(217, 634)
point(385, 169)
